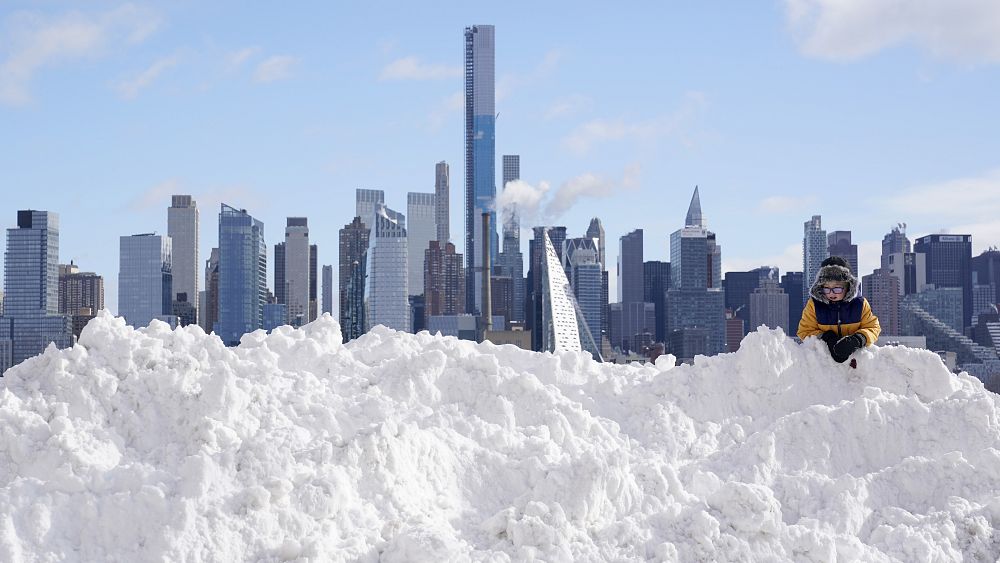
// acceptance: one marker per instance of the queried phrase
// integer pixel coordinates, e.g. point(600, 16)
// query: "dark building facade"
point(353, 257)
point(656, 282)
point(949, 264)
point(444, 280)
point(792, 283)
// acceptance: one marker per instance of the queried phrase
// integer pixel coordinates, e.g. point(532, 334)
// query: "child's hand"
point(847, 346)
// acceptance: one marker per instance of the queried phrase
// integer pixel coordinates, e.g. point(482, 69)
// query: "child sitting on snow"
point(836, 314)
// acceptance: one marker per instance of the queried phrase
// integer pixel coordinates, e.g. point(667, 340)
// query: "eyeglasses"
point(835, 290)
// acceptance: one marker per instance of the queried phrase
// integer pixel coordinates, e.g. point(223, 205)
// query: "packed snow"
point(160, 445)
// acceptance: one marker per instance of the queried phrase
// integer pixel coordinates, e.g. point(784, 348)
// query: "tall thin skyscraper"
point(353, 264)
point(596, 231)
point(313, 282)
point(511, 260)
point(328, 289)
point(242, 274)
point(211, 292)
point(182, 228)
point(31, 318)
point(656, 282)
point(298, 271)
point(420, 230)
point(387, 288)
point(442, 193)
point(279, 276)
point(630, 268)
point(814, 251)
point(145, 279)
point(480, 155)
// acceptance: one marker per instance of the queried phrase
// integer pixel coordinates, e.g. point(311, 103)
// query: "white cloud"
point(509, 83)
point(569, 106)
point(448, 108)
point(130, 88)
point(237, 58)
point(785, 204)
point(410, 68)
point(965, 30)
point(582, 139)
point(36, 41)
point(158, 195)
point(277, 67)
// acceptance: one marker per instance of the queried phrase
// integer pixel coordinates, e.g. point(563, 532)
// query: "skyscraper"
point(242, 275)
point(211, 292)
point(656, 282)
point(480, 155)
point(182, 228)
point(298, 271)
point(895, 242)
point(353, 263)
point(596, 230)
point(792, 283)
point(580, 258)
point(279, 277)
point(695, 300)
point(81, 295)
point(145, 279)
point(328, 289)
point(949, 264)
point(511, 260)
point(839, 244)
point(814, 251)
point(769, 305)
point(387, 287)
point(442, 208)
point(421, 228)
point(986, 268)
point(31, 318)
point(630, 274)
point(882, 292)
point(444, 280)
point(561, 317)
point(365, 203)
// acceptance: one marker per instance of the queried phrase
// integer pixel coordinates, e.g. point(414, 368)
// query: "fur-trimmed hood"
point(834, 273)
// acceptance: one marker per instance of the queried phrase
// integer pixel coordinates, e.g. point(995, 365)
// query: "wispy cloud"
point(963, 205)
point(785, 204)
point(36, 41)
point(511, 82)
point(448, 108)
point(569, 106)
point(158, 196)
point(237, 59)
point(274, 68)
point(131, 87)
point(582, 139)
point(843, 30)
point(411, 68)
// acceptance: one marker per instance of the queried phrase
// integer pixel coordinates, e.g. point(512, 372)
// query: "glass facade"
point(949, 264)
point(630, 275)
point(31, 290)
point(387, 287)
point(353, 264)
point(242, 275)
point(511, 262)
point(655, 285)
point(421, 229)
point(145, 278)
point(814, 251)
point(480, 154)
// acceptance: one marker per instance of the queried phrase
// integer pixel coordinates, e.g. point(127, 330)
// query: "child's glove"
point(831, 338)
point(847, 346)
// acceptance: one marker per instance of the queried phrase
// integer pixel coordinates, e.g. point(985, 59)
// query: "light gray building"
point(769, 305)
point(814, 251)
point(421, 229)
point(145, 279)
point(31, 318)
point(365, 202)
point(442, 209)
point(182, 228)
point(387, 287)
point(298, 268)
point(328, 289)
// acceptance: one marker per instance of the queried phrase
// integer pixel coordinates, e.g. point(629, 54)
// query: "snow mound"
point(152, 444)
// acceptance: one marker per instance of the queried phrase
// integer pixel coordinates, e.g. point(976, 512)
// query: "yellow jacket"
point(843, 317)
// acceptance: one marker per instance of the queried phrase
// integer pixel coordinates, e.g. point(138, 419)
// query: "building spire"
point(694, 216)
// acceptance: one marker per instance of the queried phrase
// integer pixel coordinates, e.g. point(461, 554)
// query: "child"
point(836, 314)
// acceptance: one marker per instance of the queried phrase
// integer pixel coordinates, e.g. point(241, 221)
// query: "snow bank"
point(165, 445)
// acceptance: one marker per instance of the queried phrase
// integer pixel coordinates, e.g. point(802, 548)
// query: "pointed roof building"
point(694, 217)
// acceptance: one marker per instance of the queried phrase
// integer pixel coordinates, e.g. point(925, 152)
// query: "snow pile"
point(160, 445)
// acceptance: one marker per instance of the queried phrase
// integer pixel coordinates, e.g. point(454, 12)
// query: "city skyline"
point(182, 107)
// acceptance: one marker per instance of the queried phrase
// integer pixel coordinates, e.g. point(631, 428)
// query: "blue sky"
point(867, 112)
